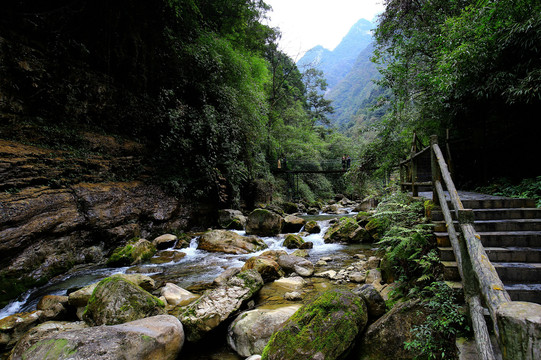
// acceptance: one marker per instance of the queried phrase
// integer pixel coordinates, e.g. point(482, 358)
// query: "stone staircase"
point(510, 231)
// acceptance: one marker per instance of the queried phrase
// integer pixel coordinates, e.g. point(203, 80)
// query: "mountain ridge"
point(348, 70)
point(336, 63)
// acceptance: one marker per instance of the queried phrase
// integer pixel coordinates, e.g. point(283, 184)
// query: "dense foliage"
point(468, 65)
point(526, 189)
point(409, 256)
point(201, 83)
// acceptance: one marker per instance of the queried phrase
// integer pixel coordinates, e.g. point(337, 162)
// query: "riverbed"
point(198, 268)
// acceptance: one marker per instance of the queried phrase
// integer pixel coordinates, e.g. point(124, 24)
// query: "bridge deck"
point(278, 171)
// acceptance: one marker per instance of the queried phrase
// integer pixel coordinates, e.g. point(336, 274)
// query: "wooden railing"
point(516, 325)
point(410, 178)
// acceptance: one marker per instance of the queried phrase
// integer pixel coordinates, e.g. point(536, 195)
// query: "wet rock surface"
point(116, 301)
point(251, 330)
point(322, 329)
point(216, 305)
point(153, 338)
point(230, 242)
point(263, 222)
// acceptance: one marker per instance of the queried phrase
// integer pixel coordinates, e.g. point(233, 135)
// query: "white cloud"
point(307, 23)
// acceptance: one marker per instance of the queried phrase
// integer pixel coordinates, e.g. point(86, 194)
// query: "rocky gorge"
point(313, 291)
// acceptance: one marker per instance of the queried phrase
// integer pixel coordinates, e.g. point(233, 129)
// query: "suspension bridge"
point(328, 166)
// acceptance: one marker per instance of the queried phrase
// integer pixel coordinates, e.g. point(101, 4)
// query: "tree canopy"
point(202, 83)
point(472, 66)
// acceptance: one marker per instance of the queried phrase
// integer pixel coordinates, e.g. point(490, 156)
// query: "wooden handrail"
point(517, 325)
point(446, 175)
point(482, 338)
point(415, 155)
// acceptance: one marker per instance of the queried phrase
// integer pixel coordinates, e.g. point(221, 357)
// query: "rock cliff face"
point(50, 221)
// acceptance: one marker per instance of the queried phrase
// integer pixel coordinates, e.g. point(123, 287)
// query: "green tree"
point(318, 108)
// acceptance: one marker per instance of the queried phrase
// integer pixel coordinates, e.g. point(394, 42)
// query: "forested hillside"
point(200, 84)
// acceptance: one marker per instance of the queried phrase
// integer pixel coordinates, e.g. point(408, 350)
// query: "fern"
point(405, 239)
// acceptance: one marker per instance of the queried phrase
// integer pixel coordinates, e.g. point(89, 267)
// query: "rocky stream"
point(220, 294)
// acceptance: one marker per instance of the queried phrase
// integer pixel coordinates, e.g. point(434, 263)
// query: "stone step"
point(517, 291)
point(524, 292)
point(498, 203)
point(499, 238)
point(497, 225)
point(500, 254)
point(467, 350)
point(497, 214)
point(509, 272)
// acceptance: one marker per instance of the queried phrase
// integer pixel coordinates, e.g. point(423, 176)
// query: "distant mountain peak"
point(336, 64)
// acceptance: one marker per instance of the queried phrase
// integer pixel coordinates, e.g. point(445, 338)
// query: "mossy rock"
point(362, 218)
point(235, 224)
point(345, 230)
point(312, 227)
point(293, 241)
point(116, 301)
point(325, 328)
point(266, 267)
point(136, 251)
point(376, 227)
point(290, 208)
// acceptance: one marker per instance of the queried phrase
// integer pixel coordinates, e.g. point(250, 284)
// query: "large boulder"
point(293, 283)
point(330, 209)
point(43, 331)
point(165, 241)
point(385, 338)
point(175, 295)
point(116, 301)
point(312, 227)
point(293, 241)
point(324, 328)
point(293, 224)
point(13, 327)
point(251, 330)
point(54, 307)
point(144, 281)
point(265, 266)
point(290, 208)
point(231, 219)
point(153, 338)
point(134, 252)
point(273, 254)
point(79, 299)
point(374, 301)
point(263, 222)
point(227, 274)
point(230, 242)
point(216, 305)
point(346, 230)
point(299, 265)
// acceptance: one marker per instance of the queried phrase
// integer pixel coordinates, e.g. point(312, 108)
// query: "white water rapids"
point(197, 266)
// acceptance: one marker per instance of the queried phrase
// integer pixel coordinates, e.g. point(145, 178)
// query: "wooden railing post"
point(402, 177)
point(436, 173)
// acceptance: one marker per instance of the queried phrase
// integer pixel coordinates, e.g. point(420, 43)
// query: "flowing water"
point(196, 268)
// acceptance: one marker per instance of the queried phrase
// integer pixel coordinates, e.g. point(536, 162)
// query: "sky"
point(307, 23)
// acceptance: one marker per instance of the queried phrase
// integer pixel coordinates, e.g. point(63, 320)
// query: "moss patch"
point(116, 301)
point(133, 252)
point(328, 325)
point(50, 349)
